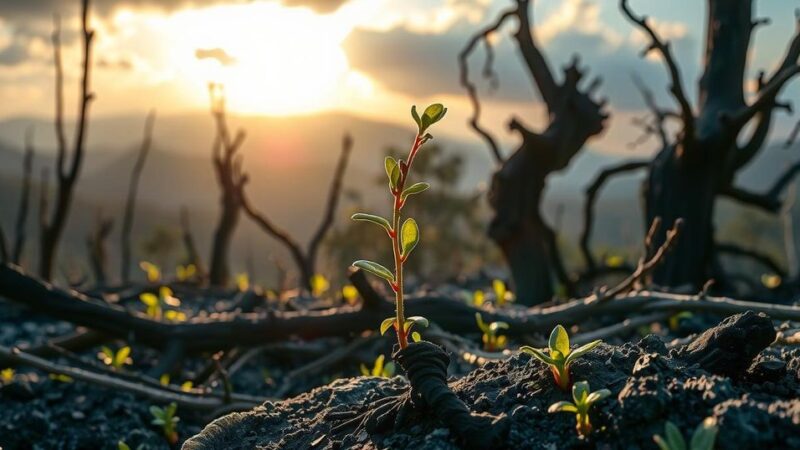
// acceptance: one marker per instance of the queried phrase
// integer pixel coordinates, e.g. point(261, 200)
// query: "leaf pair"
point(407, 325)
point(703, 437)
point(115, 359)
point(430, 116)
point(561, 357)
point(583, 399)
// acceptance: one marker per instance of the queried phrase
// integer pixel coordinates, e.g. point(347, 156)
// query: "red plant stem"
point(399, 259)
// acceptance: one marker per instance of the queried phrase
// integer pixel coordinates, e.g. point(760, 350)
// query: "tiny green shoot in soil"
point(561, 357)
point(703, 437)
point(583, 400)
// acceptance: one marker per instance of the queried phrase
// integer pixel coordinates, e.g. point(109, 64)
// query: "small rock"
point(767, 369)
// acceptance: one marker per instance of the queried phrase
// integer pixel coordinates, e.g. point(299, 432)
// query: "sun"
point(281, 60)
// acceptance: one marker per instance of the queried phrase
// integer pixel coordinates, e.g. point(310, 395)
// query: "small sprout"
point(583, 401)
point(164, 379)
point(60, 377)
point(319, 285)
point(7, 375)
point(243, 282)
point(122, 445)
point(156, 304)
point(185, 273)
point(501, 293)
point(702, 439)
point(492, 341)
point(175, 316)
point(675, 320)
point(350, 294)
point(478, 298)
point(116, 360)
point(615, 261)
point(167, 420)
point(561, 357)
point(379, 369)
point(187, 386)
point(152, 271)
point(770, 280)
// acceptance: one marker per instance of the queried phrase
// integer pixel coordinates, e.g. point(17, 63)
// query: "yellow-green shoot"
point(156, 305)
point(492, 339)
point(583, 399)
point(379, 369)
point(703, 437)
point(406, 236)
point(561, 357)
point(167, 420)
point(115, 360)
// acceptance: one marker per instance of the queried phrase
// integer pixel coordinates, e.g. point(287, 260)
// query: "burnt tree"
point(699, 163)
point(573, 117)
point(96, 247)
point(192, 256)
point(24, 201)
point(66, 172)
point(306, 261)
point(130, 203)
point(228, 169)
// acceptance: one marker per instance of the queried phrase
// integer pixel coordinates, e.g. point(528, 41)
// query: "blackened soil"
point(650, 385)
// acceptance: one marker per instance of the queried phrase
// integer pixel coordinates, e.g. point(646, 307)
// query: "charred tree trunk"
point(130, 204)
point(96, 246)
point(527, 241)
point(51, 229)
point(701, 162)
point(24, 201)
point(228, 168)
point(192, 256)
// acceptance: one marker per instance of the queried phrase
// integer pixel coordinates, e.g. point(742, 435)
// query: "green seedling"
point(7, 376)
point(319, 285)
point(350, 294)
point(122, 445)
point(561, 357)
point(116, 360)
point(703, 438)
point(583, 400)
point(157, 304)
point(243, 282)
point(492, 341)
point(152, 271)
point(501, 294)
point(404, 237)
point(167, 420)
point(379, 369)
point(478, 298)
point(185, 273)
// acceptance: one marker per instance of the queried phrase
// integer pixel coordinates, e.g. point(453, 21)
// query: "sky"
point(372, 58)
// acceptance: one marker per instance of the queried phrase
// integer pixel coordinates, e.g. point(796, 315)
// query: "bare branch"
point(333, 200)
point(3, 246)
point(192, 256)
point(591, 196)
point(472, 91)
point(676, 87)
point(660, 115)
point(86, 96)
point(59, 96)
point(534, 59)
point(761, 258)
point(770, 201)
point(24, 200)
point(130, 204)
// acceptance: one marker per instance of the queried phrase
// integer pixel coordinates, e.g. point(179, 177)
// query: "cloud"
point(418, 64)
point(218, 54)
point(15, 53)
point(320, 6)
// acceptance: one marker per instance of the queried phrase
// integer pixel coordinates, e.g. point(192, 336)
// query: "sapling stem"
point(404, 236)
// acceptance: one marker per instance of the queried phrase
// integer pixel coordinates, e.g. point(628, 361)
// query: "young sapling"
point(583, 400)
point(561, 357)
point(492, 340)
point(152, 271)
point(406, 236)
point(156, 305)
point(167, 420)
point(703, 437)
point(379, 369)
point(116, 360)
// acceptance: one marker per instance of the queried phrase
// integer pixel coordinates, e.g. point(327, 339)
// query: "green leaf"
point(495, 326)
point(481, 324)
point(705, 435)
point(122, 356)
point(582, 350)
point(674, 437)
point(375, 269)
point(580, 391)
point(415, 188)
point(156, 411)
point(416, 337)
point(377, 220)
point(562, 407)
point(559, 340)
point(414, 320)
point(149, 299)
point(538, 354)
point(415, 115)
point(107, 352)
point(409, 236)
point(662, 444)
point(392, 171)
point(121, 445)
point(386, 324)
point(597, 396)
point(377, 369)
point(364, 370)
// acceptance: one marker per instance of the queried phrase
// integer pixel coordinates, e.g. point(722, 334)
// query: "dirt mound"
point(754, 397)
